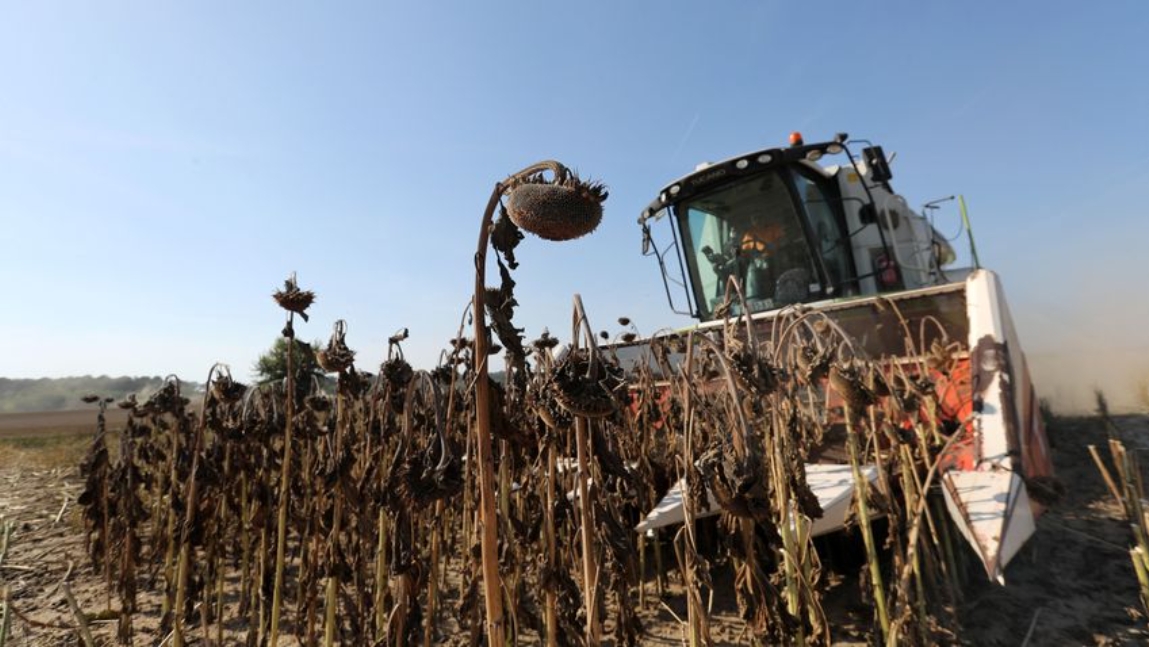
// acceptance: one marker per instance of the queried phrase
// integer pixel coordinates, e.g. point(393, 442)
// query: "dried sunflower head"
point(583, 387)
point(336, 357)
point(292, 299)
point(425, 477)
point(753, 371)
point(167, 399)
point(545, 342)
point(318, 402)
point(443, 374)
point(396, 372)
point(812, 363)
point(847, 383)
point(227, 390)
point(354, 384)
point(565, 209)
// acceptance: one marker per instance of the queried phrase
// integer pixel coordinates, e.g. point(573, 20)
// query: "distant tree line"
point(61, 394)
point(64, 393)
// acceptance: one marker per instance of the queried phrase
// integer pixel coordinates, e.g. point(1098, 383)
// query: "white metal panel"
point(984, 305)
point(832, 484)
point(992, 510)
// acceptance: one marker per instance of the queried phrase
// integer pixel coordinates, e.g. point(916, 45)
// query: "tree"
point(271, 367)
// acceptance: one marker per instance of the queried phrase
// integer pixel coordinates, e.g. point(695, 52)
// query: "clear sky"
point(164, 166)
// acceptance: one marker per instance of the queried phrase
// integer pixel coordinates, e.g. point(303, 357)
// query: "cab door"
point(827, 227)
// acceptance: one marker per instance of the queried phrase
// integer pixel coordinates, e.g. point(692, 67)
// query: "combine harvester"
point(838, 240)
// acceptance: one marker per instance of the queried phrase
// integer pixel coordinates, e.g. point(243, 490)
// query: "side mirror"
point(876, 162)
point(646, 242)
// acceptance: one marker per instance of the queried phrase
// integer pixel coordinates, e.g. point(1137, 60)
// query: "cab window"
point(828, 236)
point(750, 229)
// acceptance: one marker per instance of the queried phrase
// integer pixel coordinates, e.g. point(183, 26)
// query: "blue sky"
point(163, 166)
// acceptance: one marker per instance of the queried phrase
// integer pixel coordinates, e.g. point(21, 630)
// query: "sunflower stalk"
point(687, 550)
point(294, 301)
point(566, 210)
point(861, 496)
point(331, 602)
point(5, 614)
point(1129, 498)
point(189, 519)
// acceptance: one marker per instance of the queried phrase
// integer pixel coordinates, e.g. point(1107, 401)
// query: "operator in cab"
point(764, 250)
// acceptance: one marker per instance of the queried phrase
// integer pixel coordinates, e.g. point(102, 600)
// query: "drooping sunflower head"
point(564, 209)
point(227, 390)
point(336, 357)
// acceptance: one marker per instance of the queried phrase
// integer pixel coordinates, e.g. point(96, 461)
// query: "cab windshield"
point(756, 230)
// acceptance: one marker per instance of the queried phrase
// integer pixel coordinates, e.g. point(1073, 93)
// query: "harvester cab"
point(792, 231)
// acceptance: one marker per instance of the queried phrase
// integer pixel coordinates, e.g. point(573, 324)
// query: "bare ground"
point(1073, 584)
point(56, 423)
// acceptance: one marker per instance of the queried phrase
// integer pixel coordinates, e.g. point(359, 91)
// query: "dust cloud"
point(1068, 379)
point(1094, 341)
